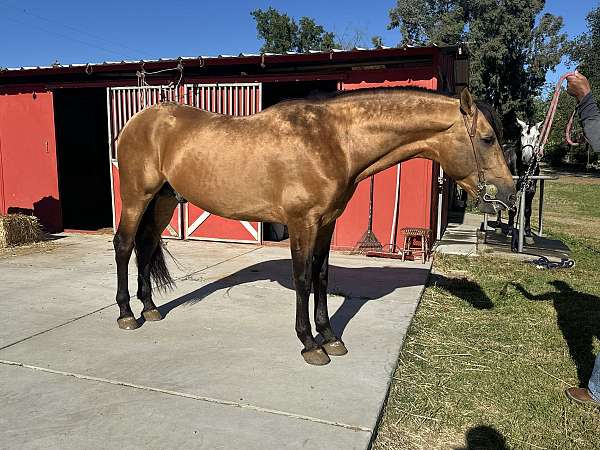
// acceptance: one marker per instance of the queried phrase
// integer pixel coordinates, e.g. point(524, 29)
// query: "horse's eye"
point(488, 139)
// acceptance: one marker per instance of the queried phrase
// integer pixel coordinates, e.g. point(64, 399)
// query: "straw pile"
point(18, 229)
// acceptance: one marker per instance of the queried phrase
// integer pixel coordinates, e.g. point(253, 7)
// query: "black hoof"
point(128, 323)
point(335, 348)
point(316, 357)
point(152, 315)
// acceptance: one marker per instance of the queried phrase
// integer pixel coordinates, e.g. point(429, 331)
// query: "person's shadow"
point(578, 317)
point(484, 438)
point(357, 285)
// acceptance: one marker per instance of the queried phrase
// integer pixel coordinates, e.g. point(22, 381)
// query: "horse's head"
point(476, 160)
point(529, 137)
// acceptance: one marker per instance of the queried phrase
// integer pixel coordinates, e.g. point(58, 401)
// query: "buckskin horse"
point(296, 163)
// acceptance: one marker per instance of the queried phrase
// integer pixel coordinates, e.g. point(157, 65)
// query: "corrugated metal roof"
point(184, 58)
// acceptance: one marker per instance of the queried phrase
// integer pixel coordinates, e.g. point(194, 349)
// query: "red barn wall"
point(416, 177)
point(28, 167)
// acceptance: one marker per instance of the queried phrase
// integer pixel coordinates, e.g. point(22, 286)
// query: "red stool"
point(416, 242)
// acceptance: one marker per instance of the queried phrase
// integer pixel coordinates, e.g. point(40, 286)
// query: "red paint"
point(28, 157)
point(219, 228)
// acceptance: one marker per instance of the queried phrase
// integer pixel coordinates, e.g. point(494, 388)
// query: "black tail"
point(159, 272)
point(148, 239)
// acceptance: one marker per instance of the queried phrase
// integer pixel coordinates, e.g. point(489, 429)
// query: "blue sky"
point(36, 32)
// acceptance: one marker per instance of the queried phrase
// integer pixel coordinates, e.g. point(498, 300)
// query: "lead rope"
point(142, 83)
point(538, 153)
point(538, 148)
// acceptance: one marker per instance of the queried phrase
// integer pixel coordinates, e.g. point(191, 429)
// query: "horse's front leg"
point(302, 243)
point(529, 194)
point(320, 276)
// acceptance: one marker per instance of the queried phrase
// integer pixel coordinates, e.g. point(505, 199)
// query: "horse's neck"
point(383, 130)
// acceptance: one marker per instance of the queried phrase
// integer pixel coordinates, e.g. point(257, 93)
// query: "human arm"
point(588, 110)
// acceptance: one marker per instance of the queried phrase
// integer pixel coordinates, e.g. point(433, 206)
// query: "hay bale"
point(18, 229)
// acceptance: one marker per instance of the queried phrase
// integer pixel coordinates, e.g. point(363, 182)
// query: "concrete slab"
point(76, 277)
point(228, 333)
point(46, 411)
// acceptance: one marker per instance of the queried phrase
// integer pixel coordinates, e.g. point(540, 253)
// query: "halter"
point(489, 191)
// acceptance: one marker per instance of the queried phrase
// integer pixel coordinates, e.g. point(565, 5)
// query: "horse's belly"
point(244, 201)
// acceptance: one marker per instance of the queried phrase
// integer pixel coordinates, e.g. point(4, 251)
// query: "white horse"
point(529, 137)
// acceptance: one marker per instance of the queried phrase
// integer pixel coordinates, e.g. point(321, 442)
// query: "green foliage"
point(585, 51)
point(512, 46)
point(281, 33)
point(428, 21)
point(377, 41)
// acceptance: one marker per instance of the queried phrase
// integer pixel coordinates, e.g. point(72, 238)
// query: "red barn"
point(59, 124)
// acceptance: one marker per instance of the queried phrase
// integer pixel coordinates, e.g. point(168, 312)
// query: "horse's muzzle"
point(490, 202)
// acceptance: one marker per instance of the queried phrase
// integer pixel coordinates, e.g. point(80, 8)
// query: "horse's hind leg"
point(320, 276)
point(148, 237)
point(302, 243)
point(131, 215)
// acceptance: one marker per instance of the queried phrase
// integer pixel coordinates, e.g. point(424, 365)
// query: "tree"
point(281, 33)
point(428, 21)
point(585, 50)
point(512, 46)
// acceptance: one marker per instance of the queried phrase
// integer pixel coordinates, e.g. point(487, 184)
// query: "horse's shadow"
point(578, 317)
point(463, 288)
point(357, 285)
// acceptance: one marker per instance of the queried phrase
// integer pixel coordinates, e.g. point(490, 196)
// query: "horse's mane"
point(510, 154)
point(488, 111)
point(375, 90)
point(493, 119)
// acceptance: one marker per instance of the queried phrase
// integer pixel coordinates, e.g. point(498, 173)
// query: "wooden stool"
point(409, 247)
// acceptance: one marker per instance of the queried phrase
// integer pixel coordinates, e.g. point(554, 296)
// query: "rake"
point(369, 242)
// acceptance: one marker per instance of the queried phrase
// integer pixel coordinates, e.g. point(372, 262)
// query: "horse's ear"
point(466, 102)
point(522, 124)
point(538, 125)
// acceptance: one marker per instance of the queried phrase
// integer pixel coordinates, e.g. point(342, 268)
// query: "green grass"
point(495, 342)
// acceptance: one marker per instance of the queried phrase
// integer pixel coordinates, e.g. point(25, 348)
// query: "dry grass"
point(495, 343)
point(18, 229)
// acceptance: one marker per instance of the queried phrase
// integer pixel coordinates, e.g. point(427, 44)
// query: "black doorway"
point(83, 167)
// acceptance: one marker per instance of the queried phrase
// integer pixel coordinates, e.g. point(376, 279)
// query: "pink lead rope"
point(545, 133)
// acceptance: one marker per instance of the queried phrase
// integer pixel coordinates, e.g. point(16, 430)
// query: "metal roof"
point(106, 64)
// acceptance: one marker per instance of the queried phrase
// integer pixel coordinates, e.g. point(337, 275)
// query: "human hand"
point(578, 86)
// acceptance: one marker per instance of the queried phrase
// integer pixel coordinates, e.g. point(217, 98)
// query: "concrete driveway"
point(222, 371)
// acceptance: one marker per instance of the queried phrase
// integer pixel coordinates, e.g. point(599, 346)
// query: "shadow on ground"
point(463, 288)
point(358, 285)
point(578, 317)
point(484, 438)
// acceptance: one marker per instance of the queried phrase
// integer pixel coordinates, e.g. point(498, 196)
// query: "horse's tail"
point(148, 238)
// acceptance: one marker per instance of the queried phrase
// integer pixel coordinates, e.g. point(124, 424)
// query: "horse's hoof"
point(335, 348)
point(152, 315)
point(128, 323)
point(316, 357)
